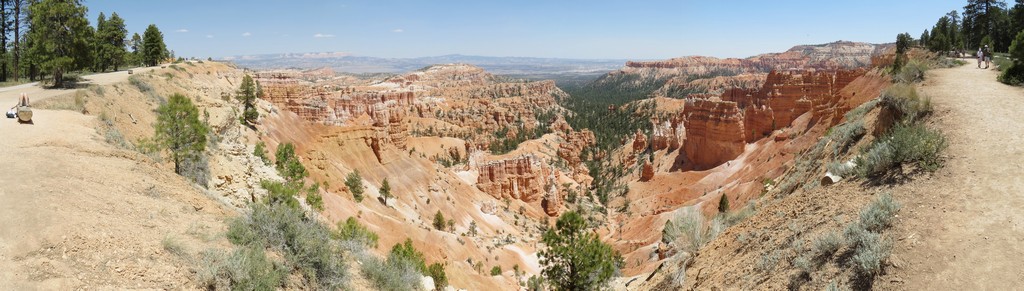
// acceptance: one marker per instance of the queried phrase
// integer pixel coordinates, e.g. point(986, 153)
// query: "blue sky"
point(555, 28)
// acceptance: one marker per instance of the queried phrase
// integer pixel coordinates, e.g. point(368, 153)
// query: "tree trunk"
point(3, 39)
point(57, 77)
point(17, 36)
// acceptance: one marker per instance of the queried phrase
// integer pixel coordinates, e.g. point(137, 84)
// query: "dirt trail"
point(9, 95)
point(963, 227)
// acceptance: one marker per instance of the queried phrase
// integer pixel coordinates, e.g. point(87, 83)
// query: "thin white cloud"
point(398, 30)
point(321, 35)
point(209, 36)
point(246, 34)
point(182, 30)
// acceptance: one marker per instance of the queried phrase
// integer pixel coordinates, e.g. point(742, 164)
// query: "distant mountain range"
point(343, 62)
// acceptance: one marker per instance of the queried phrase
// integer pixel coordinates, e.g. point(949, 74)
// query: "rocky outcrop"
point(470, 103)
point(522, 178)
point(646, 171)
point(639, 142)
point(666, 134)
point(681, 77)
point(714, 132)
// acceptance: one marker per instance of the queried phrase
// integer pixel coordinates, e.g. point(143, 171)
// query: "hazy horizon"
point(609, 30)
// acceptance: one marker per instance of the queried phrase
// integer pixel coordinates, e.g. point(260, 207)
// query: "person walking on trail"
point(981, 57)
point(987, 55)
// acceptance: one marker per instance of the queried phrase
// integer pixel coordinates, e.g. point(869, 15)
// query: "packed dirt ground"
point(78, 212)
point(961, 228)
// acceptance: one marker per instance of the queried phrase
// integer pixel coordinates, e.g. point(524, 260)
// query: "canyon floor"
point(962, 228)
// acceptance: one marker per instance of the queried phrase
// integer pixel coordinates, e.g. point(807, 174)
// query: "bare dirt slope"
point(963, 229)
point(77, 212)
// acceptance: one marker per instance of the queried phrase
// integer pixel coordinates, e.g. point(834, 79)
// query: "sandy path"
point(963, 227)
point(9, 95)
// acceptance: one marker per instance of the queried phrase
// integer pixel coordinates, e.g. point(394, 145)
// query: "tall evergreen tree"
point(96, 46)
point(18, 19)
point(136, 46)
point(1017, 17)
point(247, 93)
point(59, 35)
point(110, 42)
point(153, 48)
point(5, 31)
point(575, 257)
point(179, 130)
point(979, 20)
point(923, 41)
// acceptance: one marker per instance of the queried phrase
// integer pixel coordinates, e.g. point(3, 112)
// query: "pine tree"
point(96, 46)
point(923, 41)
point(153, 48)
point(247, 93)
point(385, 190)
point(575, 258)
point(287, 163)
point(111, 44)
point(439, 221)
point(59, 36)
point(179, 130)
point(979, 20)
point(355, 185)
point(136, 46)
point(723, 203)
point(5, 30)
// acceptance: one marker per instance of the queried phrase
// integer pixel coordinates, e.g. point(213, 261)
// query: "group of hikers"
point(984, 56)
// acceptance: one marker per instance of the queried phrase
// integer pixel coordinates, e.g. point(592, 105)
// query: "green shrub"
point(352, 230)
point(288, 164)
point(260, 151)
point(845, 135)
point(872, 250)
point(535, 283)
point(903, 145)
point(281, 193)
point(405, 251)
point(858, 113)
point(313, 197)
point(768, 262)
point(304, 242)
point(879, 214)
point(804, 264)
point(903, 98)
point(912, 72)
point(1012, 75)
point(390, 274)
point(864, 237)
point(355, 185)
point(496, 271)
point(723, 203)
point(140, 84)
point(247, 268)
point(439, 221)
point(436, 271)
point(839, 168)
point(827, 244)
point(688, 231)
